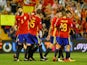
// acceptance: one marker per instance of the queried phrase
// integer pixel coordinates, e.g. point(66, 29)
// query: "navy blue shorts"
point(32, 39)
point(54, 39)
point(63, 41)
point(22, 38)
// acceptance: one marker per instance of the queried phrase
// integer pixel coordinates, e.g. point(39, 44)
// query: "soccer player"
point(70, 15)
point(35, 26)
point(64, 24)
point(61, 54)
point(22, 21)
point(53, 34)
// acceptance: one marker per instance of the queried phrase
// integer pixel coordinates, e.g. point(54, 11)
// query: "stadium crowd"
point(59, 15)
point(78, 8)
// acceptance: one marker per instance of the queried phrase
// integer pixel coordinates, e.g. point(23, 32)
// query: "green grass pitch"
point(7, 59)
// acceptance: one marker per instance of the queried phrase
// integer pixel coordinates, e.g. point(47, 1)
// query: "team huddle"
point(28, 37)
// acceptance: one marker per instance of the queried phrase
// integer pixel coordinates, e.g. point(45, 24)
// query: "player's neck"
point(64, 16)
point(22, 14)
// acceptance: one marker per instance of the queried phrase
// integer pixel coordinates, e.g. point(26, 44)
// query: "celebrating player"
point(53, 34)
point(35, 26)
point(22, 21)
point(64, 24)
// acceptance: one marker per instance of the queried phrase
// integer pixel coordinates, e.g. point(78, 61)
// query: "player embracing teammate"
point(64, 25)
point(28, 27)
point(22, 25)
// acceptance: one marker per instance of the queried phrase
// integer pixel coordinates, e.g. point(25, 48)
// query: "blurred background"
point(8, 9)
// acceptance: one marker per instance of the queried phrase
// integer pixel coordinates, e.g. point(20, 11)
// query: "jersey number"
point(32, 24)
point(63, 27)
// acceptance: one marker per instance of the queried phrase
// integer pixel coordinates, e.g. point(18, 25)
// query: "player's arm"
point(57, 23)
point(72, 27)
point(50, 29)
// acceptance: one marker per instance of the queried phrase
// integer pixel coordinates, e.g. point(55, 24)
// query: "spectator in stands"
point(2, 4)
point(38, 6)
point(7, 8)
point(13, 6)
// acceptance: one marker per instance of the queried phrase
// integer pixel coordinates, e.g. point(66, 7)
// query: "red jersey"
point(54, 31)
point(22, 23)
point(64, 24)
point(35, 25)
point(86, 27)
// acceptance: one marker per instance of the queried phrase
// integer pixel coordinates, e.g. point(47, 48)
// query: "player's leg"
point(68, 49)
point(34, 46)
point(32, 39)
point(61, 53)
point(25, 52)
point(34, 49)
point(68, 57)
point(29, 46)
point(38, 41)
point(58, 46)
point(56, 51)
point(41, 53)
point(48, 50)
point(66, 43)
point(49, 47)
point(19, 47)
point(67, 53)
point(18, 51)
point(25, 47)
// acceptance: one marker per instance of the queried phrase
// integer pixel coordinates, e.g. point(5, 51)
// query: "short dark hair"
point(19, 7)
point(38, 11)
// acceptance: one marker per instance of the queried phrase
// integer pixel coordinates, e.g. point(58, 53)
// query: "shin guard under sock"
point(47, 51)
point(67, 55)
point(29, 51)
point(41, 51)
point(56, 51)
point(18, 51)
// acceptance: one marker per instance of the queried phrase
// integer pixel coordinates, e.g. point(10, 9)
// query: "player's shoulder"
point(17, 16)
point(26, 14)
point(54, 18)
point(59, 19)
point(38, 16)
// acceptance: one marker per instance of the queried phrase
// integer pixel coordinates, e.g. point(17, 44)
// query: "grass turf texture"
point(7, 59)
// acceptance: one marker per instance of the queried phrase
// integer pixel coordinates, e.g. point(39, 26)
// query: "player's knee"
point(68, 48)
point(58, 46)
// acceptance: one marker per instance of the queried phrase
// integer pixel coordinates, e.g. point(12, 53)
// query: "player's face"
point(68, 15)
point(60, 14)
point(20, 11)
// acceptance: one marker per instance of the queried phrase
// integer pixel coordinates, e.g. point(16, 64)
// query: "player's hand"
point(24, 45)
point(48, 37)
